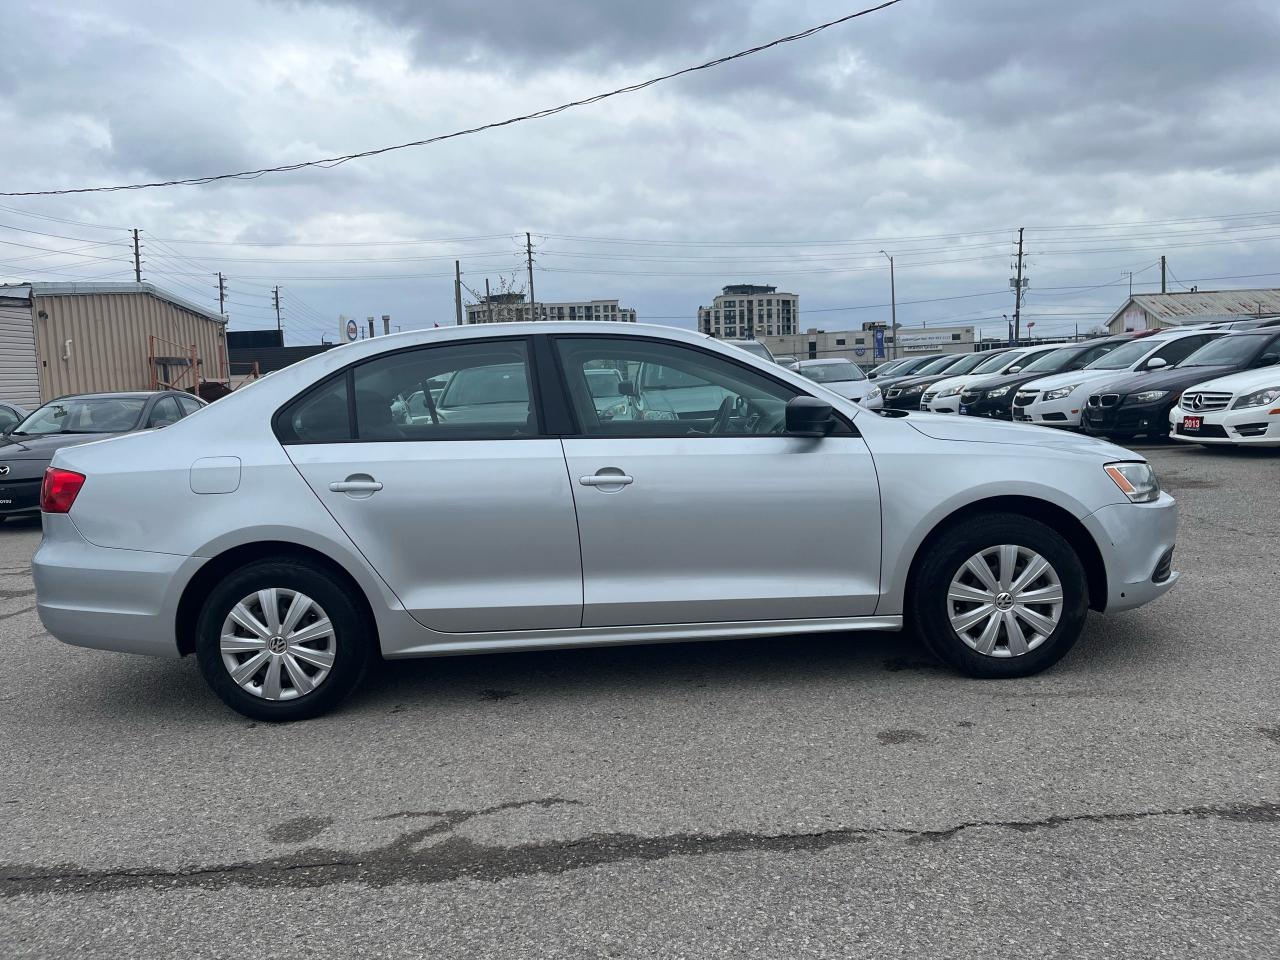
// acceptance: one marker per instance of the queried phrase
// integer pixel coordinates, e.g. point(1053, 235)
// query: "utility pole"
point(533, 300)
point(457, 291)
point(488, 300)
point(1017, 290)
point(222, 294)
point(275, 296)
point(893, 307)
point(1164, 269)
point(1130, 275)
point(137, 258)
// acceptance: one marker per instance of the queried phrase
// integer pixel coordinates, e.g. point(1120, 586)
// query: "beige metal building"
point(62, 338)
point(1160, 311)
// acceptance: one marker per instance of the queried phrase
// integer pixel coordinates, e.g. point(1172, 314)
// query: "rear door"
point(464, 510)
point(707, 512)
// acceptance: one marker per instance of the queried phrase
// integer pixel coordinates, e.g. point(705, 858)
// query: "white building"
point(745, 311)
point(511, 307)
point(859, 345)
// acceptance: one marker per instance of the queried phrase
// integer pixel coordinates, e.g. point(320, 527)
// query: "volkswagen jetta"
point(300, 526)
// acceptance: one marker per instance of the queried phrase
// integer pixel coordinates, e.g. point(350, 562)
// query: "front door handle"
point(355, 486)
point(606, 480)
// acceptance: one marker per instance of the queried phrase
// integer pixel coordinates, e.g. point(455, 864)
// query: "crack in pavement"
point(15, 613)
point(456, 858)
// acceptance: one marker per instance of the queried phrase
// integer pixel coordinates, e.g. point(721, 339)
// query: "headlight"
point(874, 393)
point(919, 389)
point(1137, 481)
point(1259, 399)
point(1149, 396)
point(950, 392)
point(1060, 392)
point(999, 392)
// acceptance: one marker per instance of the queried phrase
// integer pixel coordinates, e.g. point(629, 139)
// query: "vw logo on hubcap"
point(1004, 601)
point(278, 644)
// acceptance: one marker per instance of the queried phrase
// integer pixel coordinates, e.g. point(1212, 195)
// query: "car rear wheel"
point(1001, 595)
point(281, 640)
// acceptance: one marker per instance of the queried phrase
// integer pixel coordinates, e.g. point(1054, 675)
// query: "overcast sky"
point(932, 129)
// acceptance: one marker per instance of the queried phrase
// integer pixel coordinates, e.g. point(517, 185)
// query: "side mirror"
point(627, 388)
point(809, 417)
point(1014, 369)
point(1155, 363)
point(1269, 359)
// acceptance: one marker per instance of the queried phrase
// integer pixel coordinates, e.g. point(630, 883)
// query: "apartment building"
point(746, 311)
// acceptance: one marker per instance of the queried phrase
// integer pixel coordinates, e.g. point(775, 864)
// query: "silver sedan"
point(462, 490)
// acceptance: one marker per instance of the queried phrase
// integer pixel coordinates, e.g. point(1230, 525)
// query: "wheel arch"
point(219, 566)
point(1050, 514)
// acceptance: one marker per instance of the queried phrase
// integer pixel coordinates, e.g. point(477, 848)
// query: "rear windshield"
point(833, 372)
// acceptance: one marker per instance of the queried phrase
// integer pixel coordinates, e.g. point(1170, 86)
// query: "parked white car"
point(1057, 401)
point(944, 396)
point(842, 377)
point(1241, 409)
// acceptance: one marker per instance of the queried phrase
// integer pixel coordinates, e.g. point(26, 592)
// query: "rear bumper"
point(1136, 540)
point(105, 598)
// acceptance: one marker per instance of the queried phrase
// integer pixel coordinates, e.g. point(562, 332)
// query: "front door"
point(694, 507)
point(433, 462)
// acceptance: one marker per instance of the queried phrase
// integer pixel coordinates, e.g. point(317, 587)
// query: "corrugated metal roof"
point(1204, 306)
point(27, 290)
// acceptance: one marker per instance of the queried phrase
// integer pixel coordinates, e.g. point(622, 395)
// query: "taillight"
point(59, 490)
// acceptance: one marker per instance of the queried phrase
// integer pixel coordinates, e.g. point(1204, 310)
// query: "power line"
point(537, 115)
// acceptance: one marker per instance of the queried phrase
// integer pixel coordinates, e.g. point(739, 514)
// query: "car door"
point(713, 518)
point(466, 513)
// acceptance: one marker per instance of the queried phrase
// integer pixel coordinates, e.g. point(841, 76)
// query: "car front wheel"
point(281, 640)
point(1001, 595)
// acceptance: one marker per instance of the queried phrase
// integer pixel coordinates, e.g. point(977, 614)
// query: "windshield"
point(936, 366)
point(998, 362)
point(888, 367)
point(968, 363)
point(1232, 351)
point(1122, 358)
point(1051, 362)
point(603, 383)
point(833, 372)
point(87, 415)
point(499, 383)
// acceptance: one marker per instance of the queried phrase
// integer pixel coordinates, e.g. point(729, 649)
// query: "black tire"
point(352, 638)
point(928, 604)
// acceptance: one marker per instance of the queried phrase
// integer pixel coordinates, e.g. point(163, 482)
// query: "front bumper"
point(1051, 413)
point(1137, 541)
point(999, 409)
point(20, 498)
point(902, 401)
point(1125, 419)
point(106, 598)
point(1252, 427)
point(949, 404)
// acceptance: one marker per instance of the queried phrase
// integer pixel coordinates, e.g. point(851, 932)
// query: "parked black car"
point(11, 415)
point(902, 367)
point(1140, 405)
point(903, 393)
point(994, 398)
point(25, 451)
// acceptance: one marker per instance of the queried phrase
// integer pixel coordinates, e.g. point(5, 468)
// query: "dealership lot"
point(835, 796)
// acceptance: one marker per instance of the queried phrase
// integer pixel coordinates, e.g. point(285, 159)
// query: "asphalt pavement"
point(802, 797)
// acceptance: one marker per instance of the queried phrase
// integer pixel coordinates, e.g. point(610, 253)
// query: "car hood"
point(995, 382)
point(1175, 378)
point(981, 430)
point(966, 380)
point(925, 381)
point(44, 447)
point(1056, 380)
point(851, 389)
point(1239, 382)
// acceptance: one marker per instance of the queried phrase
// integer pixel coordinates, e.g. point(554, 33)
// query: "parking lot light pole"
point(893, 308)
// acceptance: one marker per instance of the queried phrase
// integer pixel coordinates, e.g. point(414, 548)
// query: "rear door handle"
point(606, 480)
point(355, 486)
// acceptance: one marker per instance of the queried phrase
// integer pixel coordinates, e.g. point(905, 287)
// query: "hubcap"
point(1005, 601)
point(278, 644)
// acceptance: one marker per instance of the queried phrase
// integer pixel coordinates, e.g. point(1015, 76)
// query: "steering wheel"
point(724, 416)
point(430, 401)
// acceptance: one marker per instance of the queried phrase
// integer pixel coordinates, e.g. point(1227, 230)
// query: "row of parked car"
point(1214, 384)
